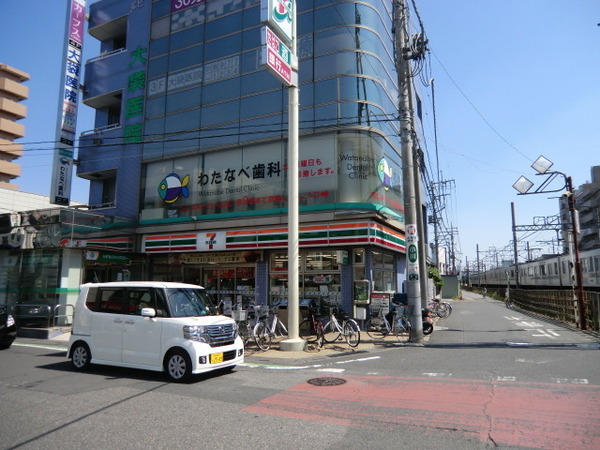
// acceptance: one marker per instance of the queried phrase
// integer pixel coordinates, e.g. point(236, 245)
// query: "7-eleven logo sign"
point(212, 241)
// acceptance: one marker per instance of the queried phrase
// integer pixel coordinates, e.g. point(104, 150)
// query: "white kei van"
point(152, 325)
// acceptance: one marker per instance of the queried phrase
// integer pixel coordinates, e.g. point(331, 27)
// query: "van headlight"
point(195, 333)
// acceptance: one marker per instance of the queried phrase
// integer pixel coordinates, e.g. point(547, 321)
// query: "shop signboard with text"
point(279, 14)
point(62, 167)
point(333, 170)
point(277, 57)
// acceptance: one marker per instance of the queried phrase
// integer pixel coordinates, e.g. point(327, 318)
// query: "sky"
point(513, 80)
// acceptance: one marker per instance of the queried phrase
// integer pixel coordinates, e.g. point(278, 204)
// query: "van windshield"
point(190, 303)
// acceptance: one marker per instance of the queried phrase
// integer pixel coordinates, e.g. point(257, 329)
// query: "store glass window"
point(320, 278)
point(322, 260)
point(383, 272)
point(358, 264)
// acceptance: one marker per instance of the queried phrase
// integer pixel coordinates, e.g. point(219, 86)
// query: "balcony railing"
point(106, 54)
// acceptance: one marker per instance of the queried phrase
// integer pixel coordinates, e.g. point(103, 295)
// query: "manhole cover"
point(326, 381)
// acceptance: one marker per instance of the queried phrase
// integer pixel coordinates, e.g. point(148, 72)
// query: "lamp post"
point(523, 185)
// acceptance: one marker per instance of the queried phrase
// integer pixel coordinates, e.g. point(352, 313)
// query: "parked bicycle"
point(439, 308)
point(510, 304)
point(381, 325)
point(268, 327)
point(246, 320)
point(345, 326)
point(311, 328)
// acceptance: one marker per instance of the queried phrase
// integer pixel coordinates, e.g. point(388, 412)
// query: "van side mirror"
point(148, 312)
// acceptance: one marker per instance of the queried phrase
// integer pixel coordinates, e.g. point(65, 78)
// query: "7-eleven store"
point(251, 266)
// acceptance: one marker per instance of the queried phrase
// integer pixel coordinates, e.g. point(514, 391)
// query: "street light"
point(523, 185)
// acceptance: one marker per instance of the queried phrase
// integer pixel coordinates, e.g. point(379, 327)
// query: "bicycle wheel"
point(352, 333)
point(442, 310)
point(307, 331)
point(262, 337)
point(402, 329)
point(331, 332)
point(244, 331)
point(376, 328)
point(427, 328)
point(449, 307)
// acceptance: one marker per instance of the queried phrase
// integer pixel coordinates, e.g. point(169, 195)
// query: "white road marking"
point(333, 370)
point(570, 380)
point(532, 361)
point(513, 318)
point(358, 360)
point(533, 327)
point(505, 379)
point(544, 333)
point(529, 324)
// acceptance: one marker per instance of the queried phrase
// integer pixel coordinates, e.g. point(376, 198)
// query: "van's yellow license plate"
point(216, 358)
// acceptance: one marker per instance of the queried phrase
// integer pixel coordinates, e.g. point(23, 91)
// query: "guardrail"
point(50, 315)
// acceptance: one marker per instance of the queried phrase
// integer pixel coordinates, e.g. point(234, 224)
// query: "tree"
point(434, 274)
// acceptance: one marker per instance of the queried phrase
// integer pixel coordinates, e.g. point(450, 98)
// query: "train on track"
point(547, 272)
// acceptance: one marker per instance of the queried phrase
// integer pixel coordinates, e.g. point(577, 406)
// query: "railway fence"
point(558, 305)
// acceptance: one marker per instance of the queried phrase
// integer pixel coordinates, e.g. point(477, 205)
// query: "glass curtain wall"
point(216, 112)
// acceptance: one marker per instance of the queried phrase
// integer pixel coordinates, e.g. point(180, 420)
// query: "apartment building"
point(12, 93)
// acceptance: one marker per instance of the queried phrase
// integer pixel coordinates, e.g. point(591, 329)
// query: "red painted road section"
point(537, 415)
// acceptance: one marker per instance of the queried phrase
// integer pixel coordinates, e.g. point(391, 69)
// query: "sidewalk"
point(339, 348)
point(253, 353)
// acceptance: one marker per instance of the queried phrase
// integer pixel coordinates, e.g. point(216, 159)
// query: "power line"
point(487, 122)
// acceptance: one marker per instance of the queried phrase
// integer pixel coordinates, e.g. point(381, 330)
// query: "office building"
point(190, 142)
point(587, 204)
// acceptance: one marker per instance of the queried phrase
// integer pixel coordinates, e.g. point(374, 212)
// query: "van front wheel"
point(81, 356)
point(178, 366)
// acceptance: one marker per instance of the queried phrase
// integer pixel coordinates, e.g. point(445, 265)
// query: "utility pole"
point(437, 192)
point(478, 267)
point(516, 254)
point(452, 254)
point(423, 271)
point(578, 290)
point(413, 286)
